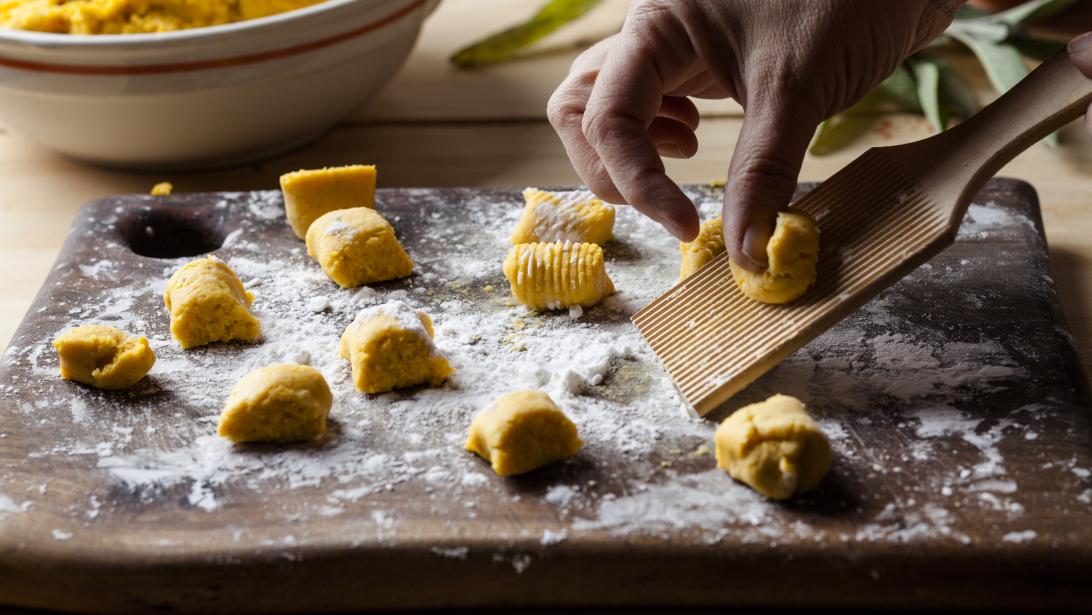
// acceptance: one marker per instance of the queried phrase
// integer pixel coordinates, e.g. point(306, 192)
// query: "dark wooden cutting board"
point(955, 402)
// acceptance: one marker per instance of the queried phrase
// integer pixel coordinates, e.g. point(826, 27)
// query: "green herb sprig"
point(928, 85)
point(925, 83)
point(504, 45)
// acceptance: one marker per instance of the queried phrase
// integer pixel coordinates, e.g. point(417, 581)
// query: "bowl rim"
point(91, 41)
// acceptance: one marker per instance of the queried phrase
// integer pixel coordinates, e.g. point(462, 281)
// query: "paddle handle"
point(1051, 96)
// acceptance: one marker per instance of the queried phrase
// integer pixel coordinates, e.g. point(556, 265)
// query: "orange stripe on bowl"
point(152, 69)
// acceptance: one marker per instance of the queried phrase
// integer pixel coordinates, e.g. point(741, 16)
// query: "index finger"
point(623, 103)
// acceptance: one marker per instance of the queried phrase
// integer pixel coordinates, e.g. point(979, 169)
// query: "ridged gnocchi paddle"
point(882, 216)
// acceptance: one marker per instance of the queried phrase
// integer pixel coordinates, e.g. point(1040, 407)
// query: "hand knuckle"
point(649, 9)
point(564, 110)
point(764, 170)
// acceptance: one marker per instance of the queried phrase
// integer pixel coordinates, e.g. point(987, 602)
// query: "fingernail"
point(1081, 45)
point(671, 150)
point(754, 243)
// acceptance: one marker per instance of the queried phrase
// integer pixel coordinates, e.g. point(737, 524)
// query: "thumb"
point(1080, 52)
point(762, 176)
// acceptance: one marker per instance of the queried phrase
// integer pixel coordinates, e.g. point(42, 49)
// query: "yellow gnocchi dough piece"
point(309, 194)
point(557, 275)
point(357, 246)
point(564, 216)
point(708, 244)
point(522, 431)
point(277, 403)
point(774, 446)
point(162, 189)
point(793, 251)
point(208, 303)
point(390, 347)
point(134, 16)
point(103, 357)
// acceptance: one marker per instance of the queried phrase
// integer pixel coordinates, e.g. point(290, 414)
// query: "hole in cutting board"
point(172, 230)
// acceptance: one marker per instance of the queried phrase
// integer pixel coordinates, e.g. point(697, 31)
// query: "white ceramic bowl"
point(207, 96)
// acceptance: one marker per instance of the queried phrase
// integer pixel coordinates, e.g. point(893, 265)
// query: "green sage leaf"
point(901, 89)
point(1036, 48)
point(1033, 9)
point(927, 75)
point(955, 94)
point(841, 129)
point(981, 29)
point(966, 11)
point(503, 45)
point(1003, 63)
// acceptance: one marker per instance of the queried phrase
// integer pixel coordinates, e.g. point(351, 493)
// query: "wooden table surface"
point(435, 126)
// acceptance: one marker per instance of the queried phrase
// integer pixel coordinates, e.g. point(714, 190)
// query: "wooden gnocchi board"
point(955, 402)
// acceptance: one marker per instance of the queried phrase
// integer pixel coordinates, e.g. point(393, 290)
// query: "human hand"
point(790, 64)
point(1080, 52)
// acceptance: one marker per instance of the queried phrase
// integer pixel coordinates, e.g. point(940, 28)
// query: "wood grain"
point(890, 527)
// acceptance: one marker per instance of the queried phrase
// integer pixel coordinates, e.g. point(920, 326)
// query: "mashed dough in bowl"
point(134, 16)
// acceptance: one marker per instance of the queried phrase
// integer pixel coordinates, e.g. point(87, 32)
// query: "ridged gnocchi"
point(708, 244)
point(564, 216)
point(557, 275)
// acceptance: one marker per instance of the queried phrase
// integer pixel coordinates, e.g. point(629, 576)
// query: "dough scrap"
point(793, 251)
point(162, 189)
point(208, 303)
point(522, 431)
point(575, 216)
point(390, 347)
point(309, 194)
point(103, 357)
point(557, 275)
point(357, 246)
point(277, 403)
point(774, 446)
point(708, 244)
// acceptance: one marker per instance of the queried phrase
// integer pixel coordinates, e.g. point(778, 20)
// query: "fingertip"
point(746, 237)
point(684, 224)
point(753, 247)
point(1080, 52)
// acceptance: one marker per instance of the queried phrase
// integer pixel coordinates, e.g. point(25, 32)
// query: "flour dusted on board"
point(382, 448)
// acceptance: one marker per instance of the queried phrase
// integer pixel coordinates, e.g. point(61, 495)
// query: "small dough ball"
point(163, 189)
point(557, 275)
point(208, 303)
point(575, 216)
point(103, 357)
point(310, 193)
point(357, 246)
point(390, 347)
point(522, 431)
point(773, 446)
point(277, 403)
point(708, 244)
point(793, 251)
